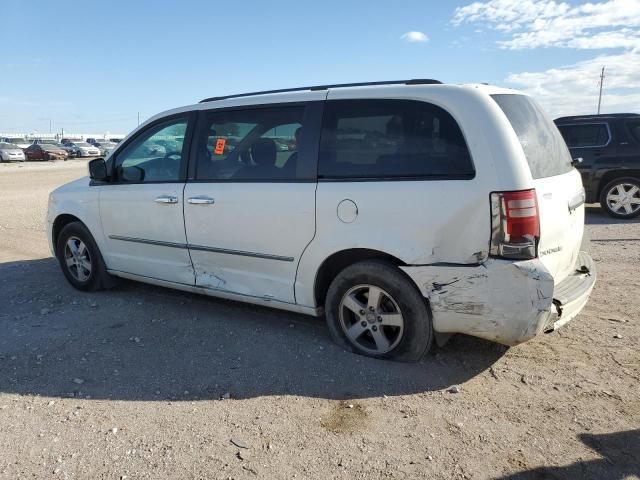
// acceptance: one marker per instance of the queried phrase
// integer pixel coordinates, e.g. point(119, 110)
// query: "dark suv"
point(609, 146)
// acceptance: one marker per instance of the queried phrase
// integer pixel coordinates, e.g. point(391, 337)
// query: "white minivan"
point(403, 211)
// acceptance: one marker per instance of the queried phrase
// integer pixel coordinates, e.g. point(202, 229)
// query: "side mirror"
point(98, 170)
point(577, 161)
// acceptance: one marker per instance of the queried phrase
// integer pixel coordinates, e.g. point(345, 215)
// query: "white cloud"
point(573, 89)
point(569, 89)
point(415, 37)
point(532, 24)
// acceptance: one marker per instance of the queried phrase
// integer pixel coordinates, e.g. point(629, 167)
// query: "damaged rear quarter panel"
point(502, 301)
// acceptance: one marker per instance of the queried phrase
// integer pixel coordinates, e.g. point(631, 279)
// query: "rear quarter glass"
point(544, 148)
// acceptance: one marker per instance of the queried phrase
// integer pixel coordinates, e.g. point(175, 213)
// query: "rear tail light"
point(515, 224)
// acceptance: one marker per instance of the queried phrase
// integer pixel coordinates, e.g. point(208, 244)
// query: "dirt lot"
point(128, 383)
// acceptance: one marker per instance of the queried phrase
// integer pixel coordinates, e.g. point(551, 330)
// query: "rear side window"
point(587, 135)
point(634, 128)
point(371, 139)
point(543, 146)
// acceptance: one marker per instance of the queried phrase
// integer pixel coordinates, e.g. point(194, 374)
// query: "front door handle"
point(201, 200)
point(167, 199)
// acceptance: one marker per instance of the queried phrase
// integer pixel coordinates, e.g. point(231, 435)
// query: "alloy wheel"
point(77, 259)
point(624, 199)
point(371, 319)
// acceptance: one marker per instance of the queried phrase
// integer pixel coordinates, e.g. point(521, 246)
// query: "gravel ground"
point(144, 382)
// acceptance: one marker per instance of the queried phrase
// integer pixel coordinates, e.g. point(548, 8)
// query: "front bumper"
point(88, 153)
point(55, 156)
point(503, 301)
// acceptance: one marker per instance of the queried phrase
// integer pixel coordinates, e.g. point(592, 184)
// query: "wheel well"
point(609, 176)
point(59, 223)
point(337, 262)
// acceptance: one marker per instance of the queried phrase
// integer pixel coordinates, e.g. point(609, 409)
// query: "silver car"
point(105, 147)
point(84, 149)
point(10, 152)
point(20, 142)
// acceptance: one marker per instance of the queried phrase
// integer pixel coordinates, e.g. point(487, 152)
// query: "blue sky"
point(92, 66)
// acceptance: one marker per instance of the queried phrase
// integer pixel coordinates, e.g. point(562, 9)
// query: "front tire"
point(620, 198)
point(374, 309)
point(81, 260)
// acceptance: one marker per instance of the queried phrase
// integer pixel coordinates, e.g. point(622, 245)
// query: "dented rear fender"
point(499, 300)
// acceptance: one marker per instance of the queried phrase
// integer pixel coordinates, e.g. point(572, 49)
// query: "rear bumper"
point(503, 301)
point(571, 295)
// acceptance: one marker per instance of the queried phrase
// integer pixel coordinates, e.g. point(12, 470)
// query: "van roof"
point(415, 81)
point(316, 92)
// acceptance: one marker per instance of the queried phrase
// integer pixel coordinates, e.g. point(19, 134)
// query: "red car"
point(45, 151)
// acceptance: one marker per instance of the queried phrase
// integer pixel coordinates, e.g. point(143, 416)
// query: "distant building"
point(58, 136)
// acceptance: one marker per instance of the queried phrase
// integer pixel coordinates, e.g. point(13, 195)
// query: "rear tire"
point(620, 198)
point(374, 309)
point(81, 260)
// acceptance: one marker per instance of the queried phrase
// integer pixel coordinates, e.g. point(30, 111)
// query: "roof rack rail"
point(415, 81)
point(596, 116)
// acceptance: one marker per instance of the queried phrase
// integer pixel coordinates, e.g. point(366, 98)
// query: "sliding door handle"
point(166, 199)
point(201, 200)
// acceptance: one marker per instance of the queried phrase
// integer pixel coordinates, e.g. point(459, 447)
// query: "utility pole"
point(601, 83)
point(139, 117)
point(50, 124)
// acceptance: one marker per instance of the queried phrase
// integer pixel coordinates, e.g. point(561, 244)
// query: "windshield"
point(82, 144)
point(543, 146)
point(48, 146)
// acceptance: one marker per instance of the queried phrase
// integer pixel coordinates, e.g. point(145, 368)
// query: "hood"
point(75, 185)
point(11, 150)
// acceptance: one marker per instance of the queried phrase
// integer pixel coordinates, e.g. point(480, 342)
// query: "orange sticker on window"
point(219, 150)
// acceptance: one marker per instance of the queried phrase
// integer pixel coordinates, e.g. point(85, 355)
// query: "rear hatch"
point(558, 185)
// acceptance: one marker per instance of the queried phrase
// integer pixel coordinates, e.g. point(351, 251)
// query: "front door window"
point(155, 156)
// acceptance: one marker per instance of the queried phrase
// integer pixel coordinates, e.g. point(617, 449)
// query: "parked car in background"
point(609, 148)
point(70, 151)
point(105, 147)
point(66, 141)
point(45, 151)
point(10, 152)
point(91, 141)
point(352, 224)
point(39, 141)
point(116, 140)
point(18, 141)
point(84, 149)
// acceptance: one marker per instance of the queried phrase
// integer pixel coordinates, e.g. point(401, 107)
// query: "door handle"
point(201, 200)
point(167, 199)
